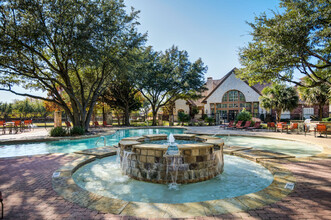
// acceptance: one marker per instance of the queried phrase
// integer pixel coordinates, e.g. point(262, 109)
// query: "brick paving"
point(28, 194)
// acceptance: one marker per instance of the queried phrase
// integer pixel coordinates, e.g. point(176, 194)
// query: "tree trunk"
point(154, 111)
point(320, 112)
point(278, 115)
point(127, 116)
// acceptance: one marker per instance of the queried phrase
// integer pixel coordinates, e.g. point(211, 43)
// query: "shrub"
point(76, 130)
point(201, 123)
point(182, 117)
point(244, 116)
point(209, 120)
point(58, 132)
point(326, 119)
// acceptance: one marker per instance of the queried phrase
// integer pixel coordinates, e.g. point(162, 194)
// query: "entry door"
point(232, 114)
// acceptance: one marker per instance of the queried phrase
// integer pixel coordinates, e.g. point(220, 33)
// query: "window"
point(225, 97)
point(224, 105)
point(242, 97)
point(218, 106)
point(233, 96)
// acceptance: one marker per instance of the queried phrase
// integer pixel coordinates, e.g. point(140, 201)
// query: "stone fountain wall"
point(148, 162)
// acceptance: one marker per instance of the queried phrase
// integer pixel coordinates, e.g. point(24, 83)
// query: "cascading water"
point(174, 162)
point(125, 161)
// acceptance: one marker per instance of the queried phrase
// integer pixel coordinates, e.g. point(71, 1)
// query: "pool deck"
point(26, 183)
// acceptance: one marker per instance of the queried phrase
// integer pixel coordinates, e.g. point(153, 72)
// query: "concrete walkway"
point(27, 188)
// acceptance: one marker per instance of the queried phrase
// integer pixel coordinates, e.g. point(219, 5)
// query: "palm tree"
point(318, 95)
point(279, 97)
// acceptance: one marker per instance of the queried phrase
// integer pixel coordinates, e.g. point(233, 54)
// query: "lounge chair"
point(230, 125)
point(106, 125)
point(256, 126)
point(238, 125)
point(246, 125)
point(321, 128)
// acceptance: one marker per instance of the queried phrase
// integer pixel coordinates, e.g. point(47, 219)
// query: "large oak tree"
point(72, 45)
point(297, 40)
point(166, 76)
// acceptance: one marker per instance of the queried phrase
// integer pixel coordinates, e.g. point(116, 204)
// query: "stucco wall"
point(181, 104)
point(232, 83)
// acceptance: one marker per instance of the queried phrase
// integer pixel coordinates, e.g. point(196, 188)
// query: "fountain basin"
point(195, 162)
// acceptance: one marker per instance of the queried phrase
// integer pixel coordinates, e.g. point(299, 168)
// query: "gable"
point(231, 82)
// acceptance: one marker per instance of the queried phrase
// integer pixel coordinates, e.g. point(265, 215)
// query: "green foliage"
point(326, 119)
point(169, 75)
point(193, 111)
point(243, 116)
point(70, 49)
point(209, 120)
point(122, 93)
point(76, 130)
point(182, 117)
point(318, 95)
point(58, 132)
point(280, 98)
point(298, 39)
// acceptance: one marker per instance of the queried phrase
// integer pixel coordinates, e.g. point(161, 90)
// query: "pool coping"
point(65, 186)
point(103, 132)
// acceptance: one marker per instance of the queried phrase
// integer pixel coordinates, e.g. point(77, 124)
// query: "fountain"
point(171, 163)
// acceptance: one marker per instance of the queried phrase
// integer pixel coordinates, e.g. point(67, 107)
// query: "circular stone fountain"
point(170, 163)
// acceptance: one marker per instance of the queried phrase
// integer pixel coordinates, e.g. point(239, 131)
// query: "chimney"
point(209, 83)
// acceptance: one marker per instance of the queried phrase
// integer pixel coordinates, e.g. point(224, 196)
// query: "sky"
point(212, 30)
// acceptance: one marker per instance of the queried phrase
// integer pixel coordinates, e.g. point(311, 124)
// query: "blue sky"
point(211, 29)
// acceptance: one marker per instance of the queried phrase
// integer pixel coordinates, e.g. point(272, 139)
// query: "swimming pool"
point(295, 148)
point(69, 146)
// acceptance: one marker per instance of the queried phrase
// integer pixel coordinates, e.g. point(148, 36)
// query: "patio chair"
point(246, 125)
point(271, 126)
point(257, 125)
point(17, 126)
point(28, 124)
point(96, 124)
point(3, 124)
point(230, 125)
point(321, 128)
point(238, 125)
point(106, 125)
point(68, 124)
point(282, 126)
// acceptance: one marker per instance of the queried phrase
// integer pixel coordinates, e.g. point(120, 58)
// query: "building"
point(227, 96)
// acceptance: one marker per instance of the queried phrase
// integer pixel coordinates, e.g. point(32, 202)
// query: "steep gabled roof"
point(257, 87)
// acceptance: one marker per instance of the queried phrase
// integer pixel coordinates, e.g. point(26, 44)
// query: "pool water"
point(69, 146)
point(240, 177)
point(295, 148)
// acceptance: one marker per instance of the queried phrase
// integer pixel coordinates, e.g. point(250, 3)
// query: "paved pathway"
point(28, 194)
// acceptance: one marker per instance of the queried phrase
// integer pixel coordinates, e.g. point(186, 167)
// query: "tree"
point(74, 46)
point(122, 94)
point(280, 98)
point(145, 108)
point(318, 95)
point(297, 40)
point(162, 77)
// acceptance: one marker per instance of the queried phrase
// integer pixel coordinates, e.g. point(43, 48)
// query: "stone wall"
point(195, 162)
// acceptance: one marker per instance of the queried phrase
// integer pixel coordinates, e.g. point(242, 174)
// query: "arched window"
point(233, 96)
